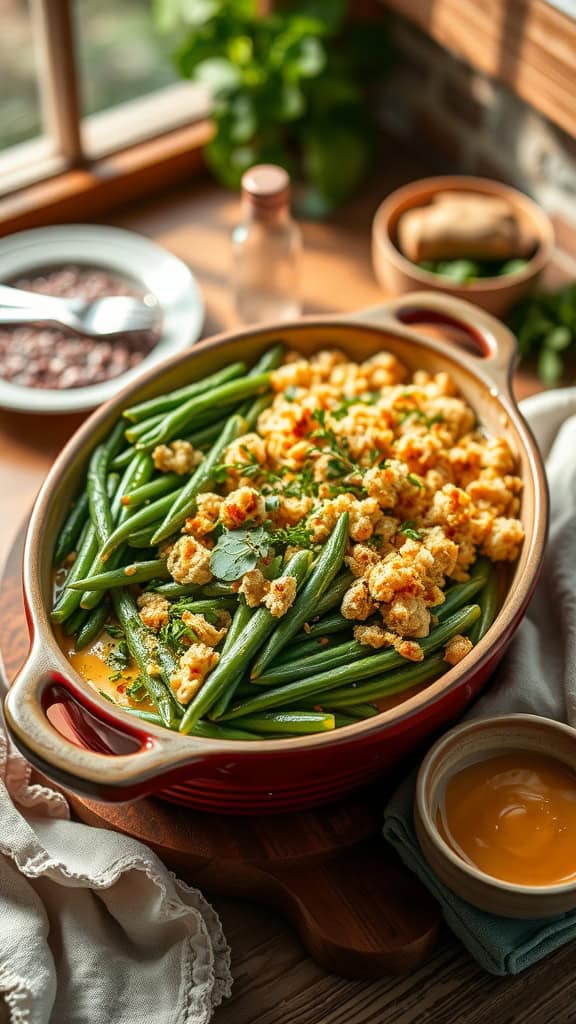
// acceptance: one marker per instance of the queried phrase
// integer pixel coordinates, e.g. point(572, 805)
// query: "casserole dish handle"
point(496, 346)
point(128, 758)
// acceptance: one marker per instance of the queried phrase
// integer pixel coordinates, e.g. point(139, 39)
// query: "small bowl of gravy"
point(495, 814)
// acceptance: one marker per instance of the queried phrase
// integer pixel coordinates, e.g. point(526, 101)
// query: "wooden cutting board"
point(358, 911)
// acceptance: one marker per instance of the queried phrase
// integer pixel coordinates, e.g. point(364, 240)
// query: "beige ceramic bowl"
point(463, 746)
point(497, 295)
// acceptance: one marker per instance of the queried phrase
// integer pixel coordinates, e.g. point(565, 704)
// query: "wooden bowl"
point(114, 757)
point(497, 295)
point(459, 748)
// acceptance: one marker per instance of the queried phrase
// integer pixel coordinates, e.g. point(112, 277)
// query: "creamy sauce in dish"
point(92, 665)
point(514, 817)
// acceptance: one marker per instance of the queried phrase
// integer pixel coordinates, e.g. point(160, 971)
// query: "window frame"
point(86, 162)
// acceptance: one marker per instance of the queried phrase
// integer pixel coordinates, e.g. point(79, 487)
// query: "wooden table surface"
point(275, 981)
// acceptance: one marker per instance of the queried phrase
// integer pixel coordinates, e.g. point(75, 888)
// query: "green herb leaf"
point(115, 631)
point(239, 551)
point(415, 480)
point(119, 657)
point(288, 536)
point(550, 366)
point(137, 691)
point(408, 528)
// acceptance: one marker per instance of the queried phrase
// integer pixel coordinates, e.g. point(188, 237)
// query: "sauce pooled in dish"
point(514, 817)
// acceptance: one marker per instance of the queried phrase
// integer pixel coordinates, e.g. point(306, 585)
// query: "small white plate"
point(128, 254)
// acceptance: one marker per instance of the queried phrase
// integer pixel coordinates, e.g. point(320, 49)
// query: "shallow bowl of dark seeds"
point(45, 369)
point(34, 356)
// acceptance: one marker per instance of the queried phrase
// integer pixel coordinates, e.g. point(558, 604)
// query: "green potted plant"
point(290, 87)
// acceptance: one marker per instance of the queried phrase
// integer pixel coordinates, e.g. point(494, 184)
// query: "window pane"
point(20, 115)
point(121, 53)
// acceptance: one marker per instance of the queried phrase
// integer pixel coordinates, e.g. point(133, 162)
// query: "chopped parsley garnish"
point(408, 528)
point(288, 536)
point(415, 481)
point(115, 631)
point(137, 691)
point(418, 414)
point(119, 656)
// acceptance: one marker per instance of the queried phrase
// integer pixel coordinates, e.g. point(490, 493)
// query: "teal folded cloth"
point(501, 945)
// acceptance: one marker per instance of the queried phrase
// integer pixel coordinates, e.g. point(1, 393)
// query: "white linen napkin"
point(538, 674)
point(93, 928)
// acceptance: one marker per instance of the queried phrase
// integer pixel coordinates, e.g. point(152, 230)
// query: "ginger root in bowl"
point(464, 225)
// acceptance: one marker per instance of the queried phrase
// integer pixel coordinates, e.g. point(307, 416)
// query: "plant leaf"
point(550, 366)
point(336, 160)
point(559, 339)
point(237, 552)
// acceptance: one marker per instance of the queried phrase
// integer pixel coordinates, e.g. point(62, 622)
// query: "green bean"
point(230, 668)
point(141, 538)
point(207, 435)
point(306, 649)
point(145, 652)
point(137, 474)
point(153, 489)
point(115, 441)
point(213, 589)
point(206, 730)
point(200, 481)
point(133, 433)
point(241, 619)
point(212, 604)
point(203, 435)
point(341, 720)
point(173, 399)
point(126, 575)
point(327, 626)
point(176, 422)
point(330, 657)
point(75, 623)
point(98, 501)
point(357, 711)
point(72, 528)
point(93, 625)
point(333, 596)
point(489, 605)
point(389, 684)
point(122, 460)
point(269, 360)
point(68, 599)
point(152, 513)
point(138, 471)
point(250, 411)
point(460, 594)
point(315, 638)
point(152, 717)
point(296, 692)
point(209, 730)
point(324, 571)
point(294, 723)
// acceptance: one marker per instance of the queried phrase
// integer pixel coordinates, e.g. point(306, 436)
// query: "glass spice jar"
point(266, 246)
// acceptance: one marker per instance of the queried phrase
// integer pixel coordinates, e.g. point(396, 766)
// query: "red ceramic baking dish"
point(99, 750)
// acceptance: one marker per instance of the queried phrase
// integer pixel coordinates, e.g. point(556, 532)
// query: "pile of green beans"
point(290, 676)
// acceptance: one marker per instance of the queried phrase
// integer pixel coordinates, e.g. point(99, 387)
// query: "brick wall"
point(471, 123)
